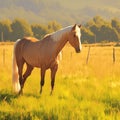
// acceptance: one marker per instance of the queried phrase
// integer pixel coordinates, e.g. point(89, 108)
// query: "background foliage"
point(94, 30)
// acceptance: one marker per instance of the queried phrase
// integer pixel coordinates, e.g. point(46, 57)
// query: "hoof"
point(40, 91)
point(51, 93)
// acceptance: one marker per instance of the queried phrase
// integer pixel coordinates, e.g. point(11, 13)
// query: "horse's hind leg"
point(26, 74)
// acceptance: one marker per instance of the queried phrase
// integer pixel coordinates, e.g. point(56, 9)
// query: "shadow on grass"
point(37, 96)
point(41, 113)
point(8, 96)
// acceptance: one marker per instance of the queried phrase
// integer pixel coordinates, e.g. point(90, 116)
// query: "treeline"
point(19, 28)
point(99, 30)
point(95, 30)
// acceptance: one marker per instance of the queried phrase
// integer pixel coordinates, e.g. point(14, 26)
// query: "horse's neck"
point(60, 43)
point(58, 39)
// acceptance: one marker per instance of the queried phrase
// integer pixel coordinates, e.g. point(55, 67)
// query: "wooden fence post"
point(88, 55)
point(113, 55)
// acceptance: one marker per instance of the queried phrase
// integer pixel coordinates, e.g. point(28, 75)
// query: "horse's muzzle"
point(77, 50)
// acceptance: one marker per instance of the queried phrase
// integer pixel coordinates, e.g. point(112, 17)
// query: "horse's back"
point(21, 44)
point(37, 53)
point(27, 40)
point(30, 39)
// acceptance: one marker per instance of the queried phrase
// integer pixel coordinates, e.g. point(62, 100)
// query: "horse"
point(43, 54)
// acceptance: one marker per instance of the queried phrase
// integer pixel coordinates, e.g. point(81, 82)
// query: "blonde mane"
point(57, 35)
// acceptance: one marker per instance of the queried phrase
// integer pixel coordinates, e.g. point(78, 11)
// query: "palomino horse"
point(42, 54)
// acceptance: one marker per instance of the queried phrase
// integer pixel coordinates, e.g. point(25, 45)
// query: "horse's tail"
point(15, 75)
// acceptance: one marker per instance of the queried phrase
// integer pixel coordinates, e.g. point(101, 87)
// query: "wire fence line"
point(90, 52)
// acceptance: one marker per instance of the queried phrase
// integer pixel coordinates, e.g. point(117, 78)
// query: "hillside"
point(66, 12)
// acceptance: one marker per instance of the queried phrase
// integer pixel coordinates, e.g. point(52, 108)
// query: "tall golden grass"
point(82, 91)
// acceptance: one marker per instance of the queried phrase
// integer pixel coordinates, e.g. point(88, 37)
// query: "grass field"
point(82, 91)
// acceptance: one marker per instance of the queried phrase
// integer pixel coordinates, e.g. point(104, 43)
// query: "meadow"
point(82, 91)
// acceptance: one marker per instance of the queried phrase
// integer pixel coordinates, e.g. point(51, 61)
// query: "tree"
point(116, 24)
point(90, 23)
point(99, 21)
point(108, 33)
point(20, 29)
point(87, 36)
point(53, 26)
point(39, 31)
point(5, 30)
point(95, 29)
point(103, 30)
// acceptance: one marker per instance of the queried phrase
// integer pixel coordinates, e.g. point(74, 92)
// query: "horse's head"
point(75, 38)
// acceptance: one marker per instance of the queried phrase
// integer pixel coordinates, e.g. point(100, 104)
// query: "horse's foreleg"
point(42, 79)
point(53, 73)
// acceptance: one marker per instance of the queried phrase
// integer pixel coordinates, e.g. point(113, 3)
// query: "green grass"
point(82, 92)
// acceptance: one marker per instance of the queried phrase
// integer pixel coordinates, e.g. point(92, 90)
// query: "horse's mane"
point(46, 35)
point(58, 34)
point(55, 35)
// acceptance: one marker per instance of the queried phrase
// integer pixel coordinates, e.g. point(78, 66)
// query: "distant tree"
point(108, 33)
point(89, 23)
point(20, 29)
point(53, 26)
point(96, 21)
point(39, 30)
point(116, 24)
point(103, 30)
point(94, 28)
point(87, 36)
point(5, 30)
point(99, 21)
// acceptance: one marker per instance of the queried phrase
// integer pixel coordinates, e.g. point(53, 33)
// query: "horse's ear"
point(80, 26)
point(73, 28)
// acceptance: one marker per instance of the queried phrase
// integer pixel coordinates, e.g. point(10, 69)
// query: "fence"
point(113, 56)
point(89, 52)
point(6, 53)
